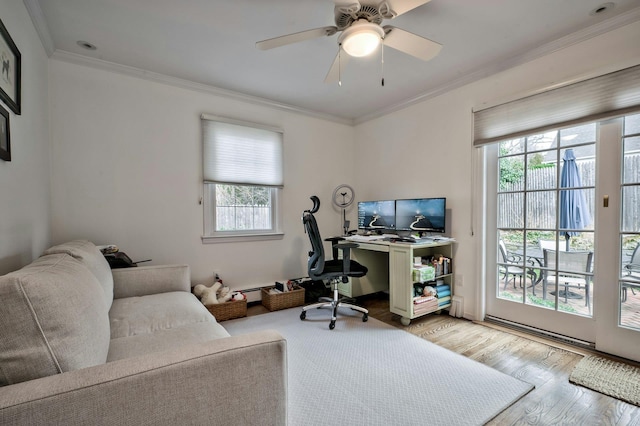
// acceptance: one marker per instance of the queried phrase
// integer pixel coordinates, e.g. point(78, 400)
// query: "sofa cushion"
point(165, 340)
point(89, 255)
point(132, 316)
point(159, 322)
point(53, 319)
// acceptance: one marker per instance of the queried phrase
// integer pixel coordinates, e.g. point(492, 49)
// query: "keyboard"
point(364, 238)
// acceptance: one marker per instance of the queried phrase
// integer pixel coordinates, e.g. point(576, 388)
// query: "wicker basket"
point(229, 310)
point(288, 299)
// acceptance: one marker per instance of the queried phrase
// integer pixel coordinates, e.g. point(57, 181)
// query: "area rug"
point(616, 379)
point(370, 373)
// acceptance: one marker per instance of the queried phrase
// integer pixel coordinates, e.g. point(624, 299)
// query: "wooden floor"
point(554, 401)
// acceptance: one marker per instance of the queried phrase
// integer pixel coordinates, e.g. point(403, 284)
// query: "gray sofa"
point(82, 344)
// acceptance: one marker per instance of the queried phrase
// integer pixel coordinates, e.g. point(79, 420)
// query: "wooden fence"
point(242, 217)
point(541, 201)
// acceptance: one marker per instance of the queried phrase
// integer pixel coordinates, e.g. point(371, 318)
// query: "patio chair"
point(632, 269)
point(510, 267)
point(573, 271)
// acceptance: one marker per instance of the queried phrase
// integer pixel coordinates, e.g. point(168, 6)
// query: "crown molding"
point(74, 58)
point(40, 23)
point(543, 50)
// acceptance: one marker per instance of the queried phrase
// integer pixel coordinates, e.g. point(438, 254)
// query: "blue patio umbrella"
point(574, 210)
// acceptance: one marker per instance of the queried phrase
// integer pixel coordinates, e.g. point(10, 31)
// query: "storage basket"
point(287, 299)
point(229, 310)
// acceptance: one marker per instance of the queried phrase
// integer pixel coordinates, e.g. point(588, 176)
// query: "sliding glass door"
point(544, 230)
point(550, 198)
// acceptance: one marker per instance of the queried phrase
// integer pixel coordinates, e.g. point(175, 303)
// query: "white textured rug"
point(374, 374)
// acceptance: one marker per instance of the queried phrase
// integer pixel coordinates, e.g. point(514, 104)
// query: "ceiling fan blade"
point(389, 9)
point(340, 62)
point(411, 44)
point(296, 37)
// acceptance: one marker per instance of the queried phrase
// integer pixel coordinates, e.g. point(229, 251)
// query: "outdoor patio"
point(630, 308)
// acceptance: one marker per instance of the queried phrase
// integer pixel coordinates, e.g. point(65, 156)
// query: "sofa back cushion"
point(89, 255)
point(53, 319)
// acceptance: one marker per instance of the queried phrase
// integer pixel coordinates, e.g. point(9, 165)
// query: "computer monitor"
point(377, 215)
point(421, 214)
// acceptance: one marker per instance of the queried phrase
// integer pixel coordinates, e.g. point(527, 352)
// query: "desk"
point(390, 269)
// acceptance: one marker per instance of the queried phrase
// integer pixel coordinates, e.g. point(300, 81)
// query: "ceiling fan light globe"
point(361, 39)
point(361, 44)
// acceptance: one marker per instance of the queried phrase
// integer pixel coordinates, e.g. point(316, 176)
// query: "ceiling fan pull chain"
point(340, 64)
point(382, 54)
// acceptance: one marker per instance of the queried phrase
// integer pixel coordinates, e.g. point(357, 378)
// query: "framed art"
point(5, 139)
point(10, 75)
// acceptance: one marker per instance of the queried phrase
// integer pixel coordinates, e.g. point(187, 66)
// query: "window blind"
point(236, 152)
point(598, 98)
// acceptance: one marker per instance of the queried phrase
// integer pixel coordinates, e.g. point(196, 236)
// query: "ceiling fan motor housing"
point(344, 18)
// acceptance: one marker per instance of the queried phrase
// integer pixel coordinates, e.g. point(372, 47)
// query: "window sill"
point(210, 239)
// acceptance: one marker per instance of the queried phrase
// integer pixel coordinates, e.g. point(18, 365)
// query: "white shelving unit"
point(391, 269)
point(401, 278)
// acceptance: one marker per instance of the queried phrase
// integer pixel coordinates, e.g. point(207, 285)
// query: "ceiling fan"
point(361, 32)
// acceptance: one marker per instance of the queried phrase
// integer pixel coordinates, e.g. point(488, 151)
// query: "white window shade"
point(598, 98)
point(241, 153)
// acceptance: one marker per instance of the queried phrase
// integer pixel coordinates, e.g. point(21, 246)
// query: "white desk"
point(390, 267)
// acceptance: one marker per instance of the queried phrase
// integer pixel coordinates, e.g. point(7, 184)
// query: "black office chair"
point(332, 272)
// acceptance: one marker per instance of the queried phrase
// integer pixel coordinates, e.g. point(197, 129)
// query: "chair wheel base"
point(332, 325)
point(303, 315)
point(365, 318)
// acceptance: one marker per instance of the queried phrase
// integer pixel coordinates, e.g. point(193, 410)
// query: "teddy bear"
point(218, 293)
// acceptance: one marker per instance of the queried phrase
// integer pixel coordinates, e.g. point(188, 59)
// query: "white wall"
point(24, 181)
point(126, 162)
point(127, 170)
point(425, 150)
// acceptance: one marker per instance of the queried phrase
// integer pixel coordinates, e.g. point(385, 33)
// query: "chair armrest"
point(632, 267)
point(145, 280)
point(244, 376)
point(334, 244)
point(346, 257)
point(347, 246)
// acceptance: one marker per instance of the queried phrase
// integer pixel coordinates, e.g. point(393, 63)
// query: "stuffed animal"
point(213, 295)
point(238, 295)
point(429, 291)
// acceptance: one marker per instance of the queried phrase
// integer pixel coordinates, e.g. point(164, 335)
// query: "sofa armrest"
point(233, 380)
point(144, 280)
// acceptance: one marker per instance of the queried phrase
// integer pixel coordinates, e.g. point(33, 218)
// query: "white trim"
point(241, 238)
point(211, 117)
point(40, 24)
point(610, 68)
point(74, 58)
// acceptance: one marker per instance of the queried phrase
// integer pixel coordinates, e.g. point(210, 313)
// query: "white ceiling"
point(212, 42)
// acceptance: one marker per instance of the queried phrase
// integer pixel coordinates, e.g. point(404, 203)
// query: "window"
point(242, 178)
point(541, 207)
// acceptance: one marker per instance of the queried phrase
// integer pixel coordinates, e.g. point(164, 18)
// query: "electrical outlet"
point(459, 280)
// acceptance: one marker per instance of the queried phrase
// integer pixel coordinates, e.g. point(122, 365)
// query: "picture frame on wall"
point(5, 139)
point(10, 67)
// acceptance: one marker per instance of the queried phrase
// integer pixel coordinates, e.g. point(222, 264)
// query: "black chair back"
point(315, 264)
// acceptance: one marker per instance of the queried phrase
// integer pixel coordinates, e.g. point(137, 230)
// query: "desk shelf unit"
point(401, 277)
